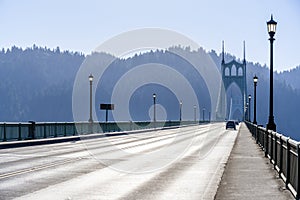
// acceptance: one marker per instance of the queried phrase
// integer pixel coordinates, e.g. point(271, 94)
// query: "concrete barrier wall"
point(38, 130)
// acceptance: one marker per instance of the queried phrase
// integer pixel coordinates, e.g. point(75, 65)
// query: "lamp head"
point(271, 27)
point(255, 79)
point(91, 77)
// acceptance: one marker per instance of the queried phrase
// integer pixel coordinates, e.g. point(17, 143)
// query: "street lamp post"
point(246, 111)
point(271, 30)
point(249, 106)
point(154, 109)
point(195, 113)
point(91, 99)
point(180, 111)
point(203, 114)
point(255, 79)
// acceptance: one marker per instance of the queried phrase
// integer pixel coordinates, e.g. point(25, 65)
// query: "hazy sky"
point(82, 25)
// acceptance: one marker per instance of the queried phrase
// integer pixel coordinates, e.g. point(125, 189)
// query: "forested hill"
point(37, 83)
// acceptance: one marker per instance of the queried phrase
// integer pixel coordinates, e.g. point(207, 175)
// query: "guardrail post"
point(266, 142)
point(275, 151)
point(65, 129)
point(45, 130)
point(271, 153)
point(280, 154)
point(31, 130)
point(55, 130)
point(4, 132)
point(74, 129)
point(298, 169)
point(262, 135)
point(288, 159)
point(256, 135)
point(19, 131)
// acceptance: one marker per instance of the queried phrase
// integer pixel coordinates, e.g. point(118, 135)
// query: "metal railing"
point(38, 130)
point(283, 153)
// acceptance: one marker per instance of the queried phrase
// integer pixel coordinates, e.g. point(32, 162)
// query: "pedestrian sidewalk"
point(249, 175)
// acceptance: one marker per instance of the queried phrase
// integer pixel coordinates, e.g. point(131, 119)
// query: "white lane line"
point(37, 168)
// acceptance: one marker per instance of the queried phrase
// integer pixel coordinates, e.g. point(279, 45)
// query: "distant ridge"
point(36, 84)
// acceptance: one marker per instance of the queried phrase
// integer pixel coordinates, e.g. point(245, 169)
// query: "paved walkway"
point(249, 175)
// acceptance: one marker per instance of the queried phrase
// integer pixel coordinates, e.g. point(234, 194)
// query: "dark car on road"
point(230, 124)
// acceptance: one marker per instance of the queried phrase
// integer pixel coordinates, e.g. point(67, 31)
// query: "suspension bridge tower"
point(232, 97)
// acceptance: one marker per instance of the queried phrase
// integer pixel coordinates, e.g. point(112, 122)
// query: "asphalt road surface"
point(181, 163)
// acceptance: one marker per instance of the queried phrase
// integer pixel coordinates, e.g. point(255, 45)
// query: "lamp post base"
point(271, 125)
point(91, 126)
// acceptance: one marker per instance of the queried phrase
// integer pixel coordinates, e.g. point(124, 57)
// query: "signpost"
point(106, 107)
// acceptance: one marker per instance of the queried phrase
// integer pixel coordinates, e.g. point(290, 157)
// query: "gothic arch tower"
point(232, 105)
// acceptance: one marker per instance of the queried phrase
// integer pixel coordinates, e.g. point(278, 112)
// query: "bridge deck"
point(182, 163)
point(185, 163)
point(249, 175)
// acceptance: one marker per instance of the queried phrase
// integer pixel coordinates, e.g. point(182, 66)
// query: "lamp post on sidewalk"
point(246, 111)
point(180, 111)
point(91, 98)
point(249, 110)
point(255, 79)
point(195, 113)
point(154, 109)
point(271, 30)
